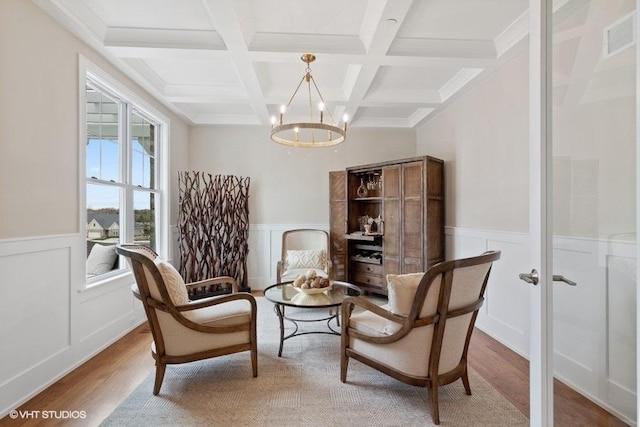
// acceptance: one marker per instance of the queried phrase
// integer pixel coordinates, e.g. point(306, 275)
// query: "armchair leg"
point(435, 413)
point(160, 369)
point(344, 364)
point(465, 382)
point(254, 360)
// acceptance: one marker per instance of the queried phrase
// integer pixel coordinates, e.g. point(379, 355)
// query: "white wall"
point(483, 138)
point(47, 325)
point(290, 185)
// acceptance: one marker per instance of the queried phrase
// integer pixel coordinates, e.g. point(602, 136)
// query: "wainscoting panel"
point(505, 314)
point(594, 322)
point(50, 323)
point(36, 283)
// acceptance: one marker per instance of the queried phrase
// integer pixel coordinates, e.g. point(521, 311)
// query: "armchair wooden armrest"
point(220, 299)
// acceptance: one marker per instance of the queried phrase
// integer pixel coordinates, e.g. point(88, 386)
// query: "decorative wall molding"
point(62, 322)
point(594, 322)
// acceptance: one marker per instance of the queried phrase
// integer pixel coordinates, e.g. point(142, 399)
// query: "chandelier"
point(314, 133)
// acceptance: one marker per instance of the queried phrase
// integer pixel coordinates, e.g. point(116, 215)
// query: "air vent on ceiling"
point(619, 35)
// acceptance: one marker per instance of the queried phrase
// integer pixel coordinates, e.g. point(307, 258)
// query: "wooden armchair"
point(303, 250)
point(422, 336)
point(183, 330)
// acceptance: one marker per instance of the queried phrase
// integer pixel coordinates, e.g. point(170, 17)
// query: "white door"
point(584, 211)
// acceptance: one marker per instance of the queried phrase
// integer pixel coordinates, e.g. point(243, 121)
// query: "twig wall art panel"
point(213, 226)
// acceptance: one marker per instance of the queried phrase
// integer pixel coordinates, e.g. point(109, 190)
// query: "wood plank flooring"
point(102, 383)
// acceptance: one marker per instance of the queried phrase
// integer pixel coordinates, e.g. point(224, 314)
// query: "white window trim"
point(87, 69)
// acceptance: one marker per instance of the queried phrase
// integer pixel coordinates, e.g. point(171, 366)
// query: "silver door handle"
point(533, 278)
point(561, 278)
point(530, 277)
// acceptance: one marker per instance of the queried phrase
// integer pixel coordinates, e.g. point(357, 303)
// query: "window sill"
point(107, 282)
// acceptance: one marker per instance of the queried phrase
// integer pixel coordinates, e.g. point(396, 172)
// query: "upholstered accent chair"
point(183, 330)
point(303, 250)
point(422, 336)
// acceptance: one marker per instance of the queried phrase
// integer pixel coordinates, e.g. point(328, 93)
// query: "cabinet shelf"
point(367, 199)
point(364, 237)
point(367, 260)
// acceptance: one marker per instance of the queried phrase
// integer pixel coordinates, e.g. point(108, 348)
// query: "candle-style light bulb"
point(296, 130)
point(282, 110)
point(345, 118)
point(321, 108)
point(273, 120)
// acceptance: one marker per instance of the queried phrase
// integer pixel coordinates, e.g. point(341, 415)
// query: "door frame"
point(540, 210)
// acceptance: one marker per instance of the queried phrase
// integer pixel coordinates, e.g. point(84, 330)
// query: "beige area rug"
point(302, 388)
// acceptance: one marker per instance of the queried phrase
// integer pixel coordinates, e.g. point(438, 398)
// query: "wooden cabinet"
point(386, 218)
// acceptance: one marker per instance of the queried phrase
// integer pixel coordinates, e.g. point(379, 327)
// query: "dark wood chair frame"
point(413, 320)
point(141, 291)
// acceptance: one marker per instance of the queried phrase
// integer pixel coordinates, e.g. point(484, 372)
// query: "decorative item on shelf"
point(362, 190)
point(362, 221)
point(313, 133)
point(379, 225)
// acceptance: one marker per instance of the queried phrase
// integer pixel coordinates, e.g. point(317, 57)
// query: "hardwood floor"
point(508, 373)
point(102, 383)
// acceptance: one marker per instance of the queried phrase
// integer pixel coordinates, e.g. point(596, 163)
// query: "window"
point(122, 190)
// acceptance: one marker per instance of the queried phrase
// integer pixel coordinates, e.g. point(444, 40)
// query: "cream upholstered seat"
point(303, 250)
point(422, 336)
point(183, 330)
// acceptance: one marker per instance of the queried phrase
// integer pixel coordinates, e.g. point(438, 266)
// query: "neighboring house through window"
point(122, 170)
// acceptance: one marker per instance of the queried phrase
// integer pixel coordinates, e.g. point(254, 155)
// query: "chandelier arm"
point(322, 99)
point(296, 91)
point(310, 103)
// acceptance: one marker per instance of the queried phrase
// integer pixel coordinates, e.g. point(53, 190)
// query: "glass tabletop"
point(287, 294)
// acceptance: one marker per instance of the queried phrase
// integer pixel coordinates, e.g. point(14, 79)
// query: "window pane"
point(143, 146)
point(144, 211)
point(103, 146)
point(103, 228)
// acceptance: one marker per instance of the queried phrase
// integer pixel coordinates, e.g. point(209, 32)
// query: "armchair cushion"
point(401, 291)
point(173, 281)
point(101, 259)
point(306, 259)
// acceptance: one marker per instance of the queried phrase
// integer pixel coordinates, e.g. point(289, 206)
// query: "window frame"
point(131, 103)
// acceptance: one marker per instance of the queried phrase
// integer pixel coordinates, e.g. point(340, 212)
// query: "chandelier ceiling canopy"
point(317, 131)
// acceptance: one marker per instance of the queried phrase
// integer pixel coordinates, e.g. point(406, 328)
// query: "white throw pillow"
point(174, 282)
point(306, 259)
point(101, 259)
point(401, 290)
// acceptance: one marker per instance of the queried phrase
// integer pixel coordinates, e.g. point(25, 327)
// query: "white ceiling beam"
point(224, 17)
point(164, 38)
point(381, 39)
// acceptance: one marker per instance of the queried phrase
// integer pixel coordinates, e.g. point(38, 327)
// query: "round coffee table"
point(285, 295)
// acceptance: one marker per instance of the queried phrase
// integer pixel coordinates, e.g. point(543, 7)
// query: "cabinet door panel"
point(338, 224)
point(391, 182)
point(392, 224)
point(391, 266)
point(412, 180)
point(412, 237)
point(412, 217)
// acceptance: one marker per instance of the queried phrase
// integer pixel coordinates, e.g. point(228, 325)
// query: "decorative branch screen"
point(213, 226)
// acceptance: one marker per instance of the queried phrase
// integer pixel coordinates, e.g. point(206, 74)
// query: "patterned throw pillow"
point(174, 282)
point(401, 291)
point(307, 259)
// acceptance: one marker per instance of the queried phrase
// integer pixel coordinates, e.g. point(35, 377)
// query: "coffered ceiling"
point(385, 63)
